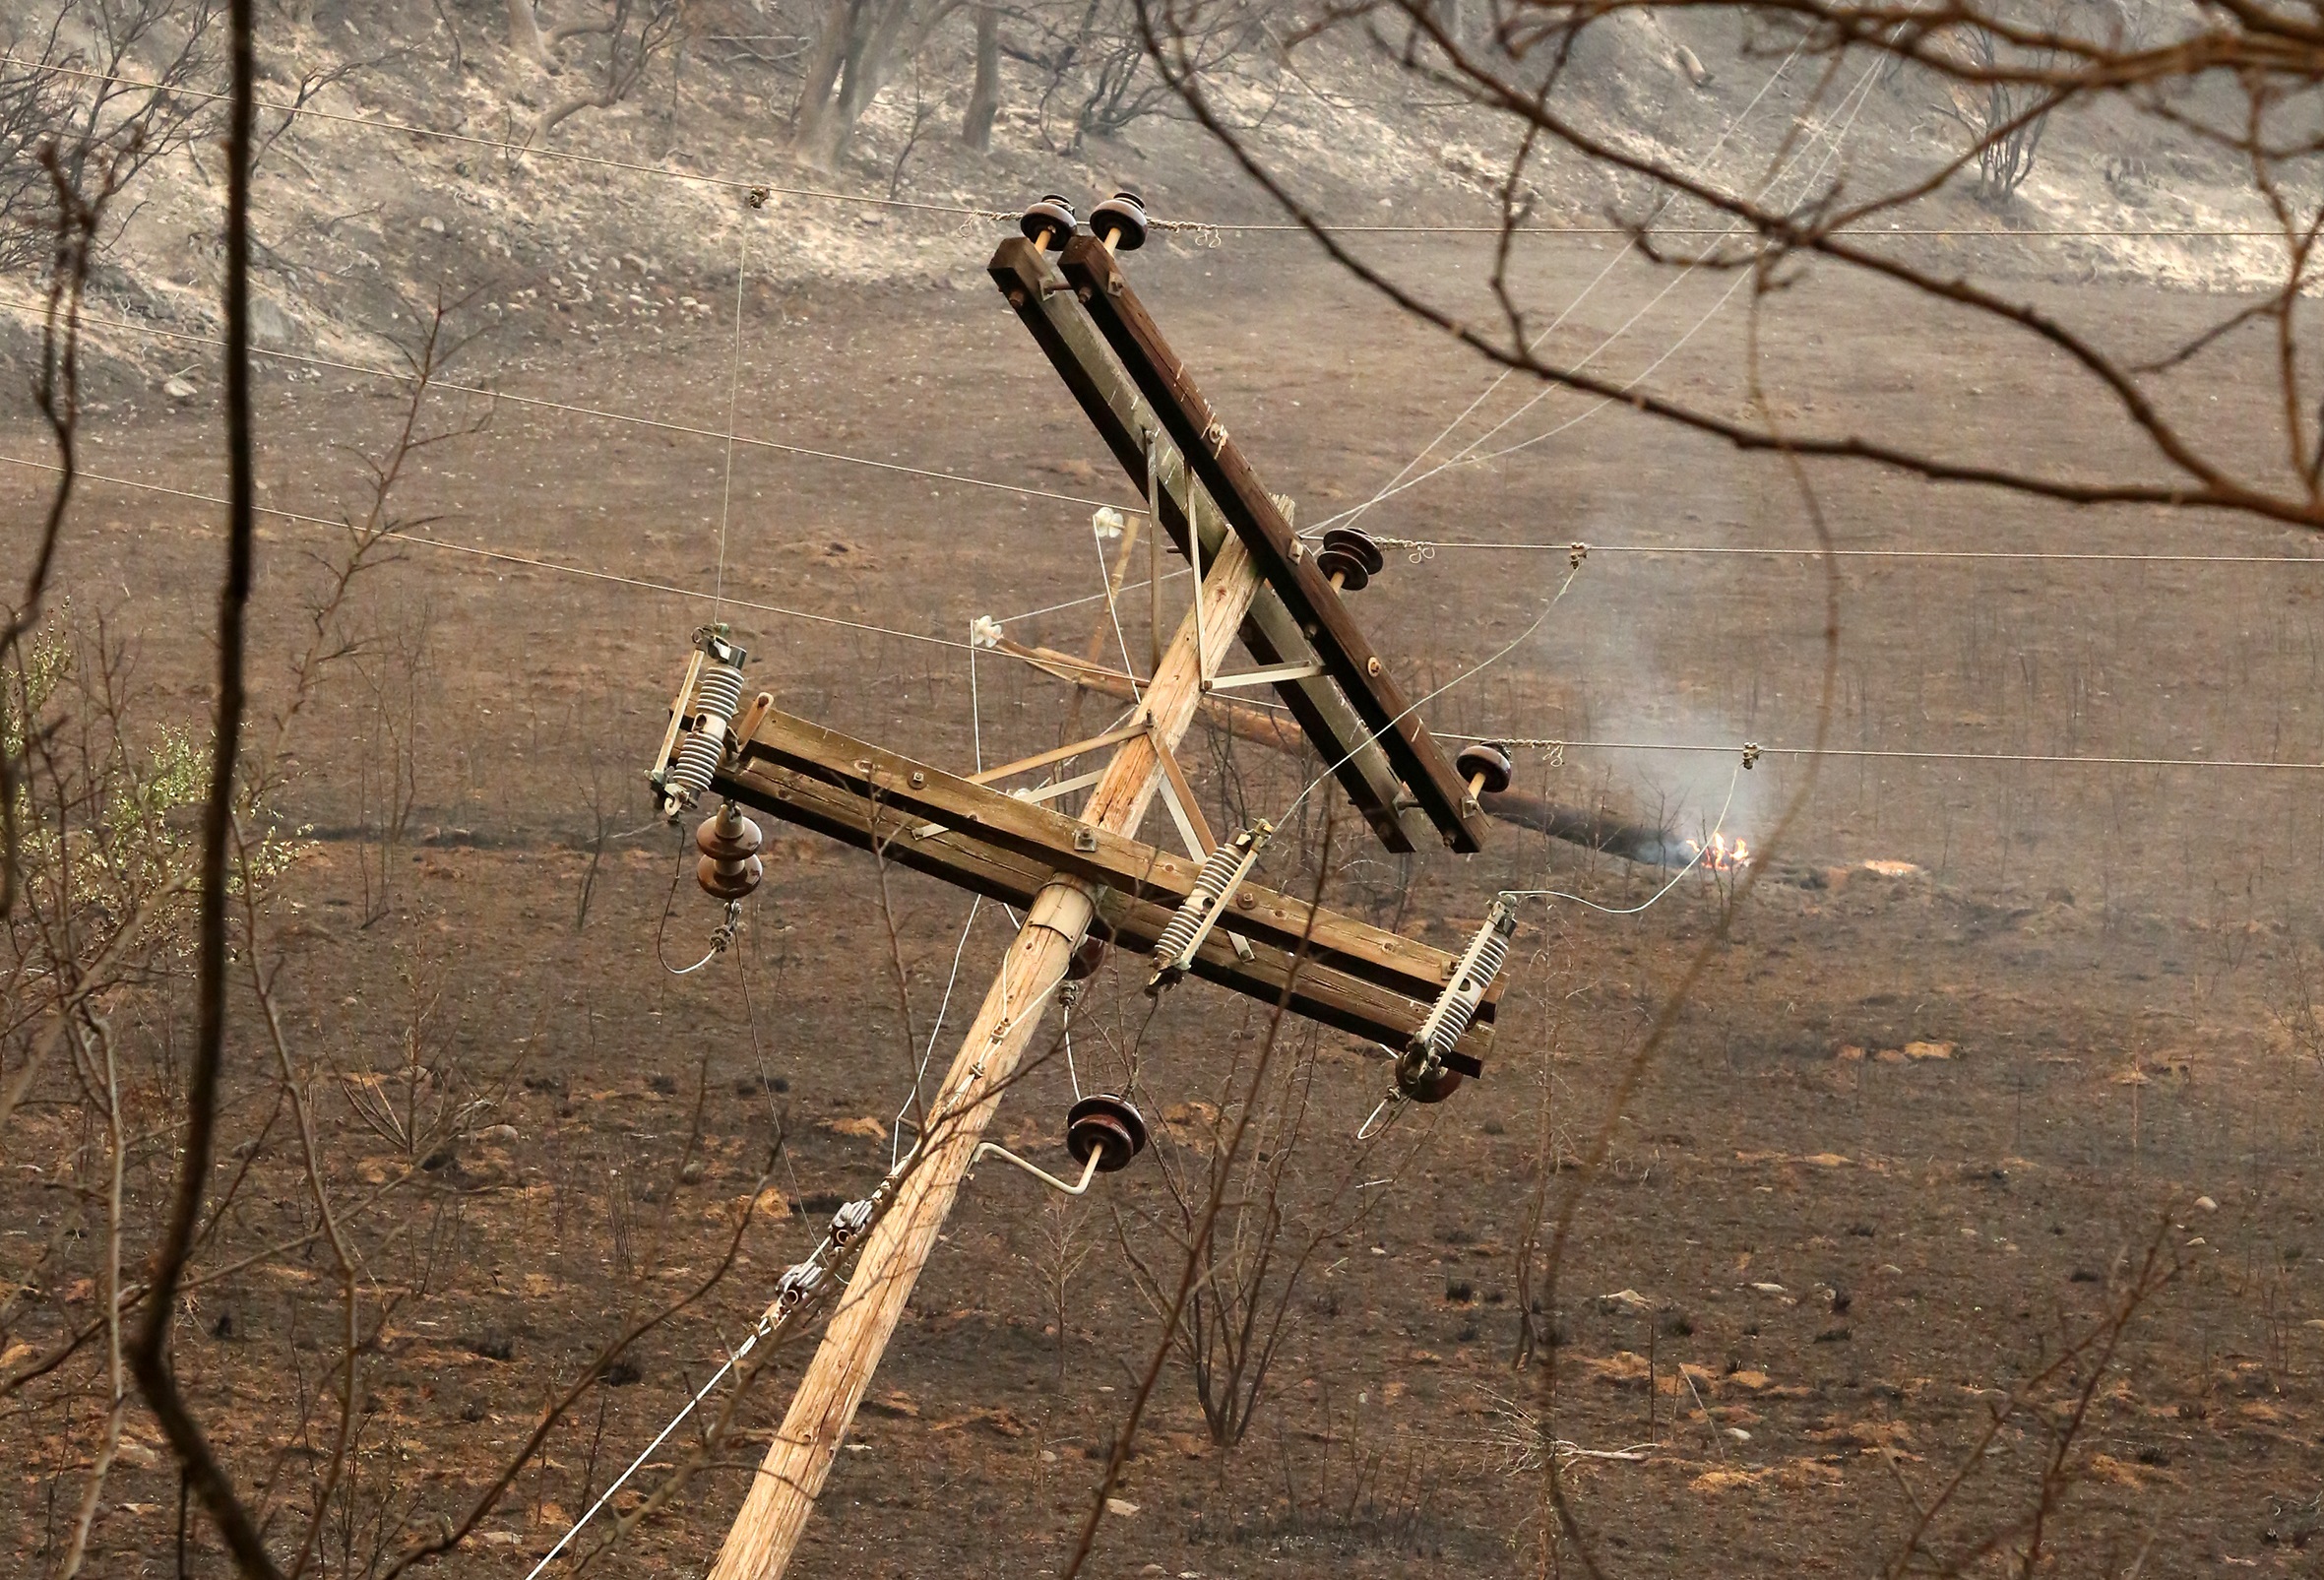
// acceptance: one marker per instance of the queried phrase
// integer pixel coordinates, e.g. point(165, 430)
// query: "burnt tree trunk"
point(984, 94)
point(524, 32)
point(823, 73)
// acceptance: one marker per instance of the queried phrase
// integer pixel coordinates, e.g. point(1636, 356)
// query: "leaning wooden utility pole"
point(791, 1475)
point(1086, 879)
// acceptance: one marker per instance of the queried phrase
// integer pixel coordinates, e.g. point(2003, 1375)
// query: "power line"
point(1575, 569)
point(1861, 94)
point(1752, 750)
point(401, 376)
point(1198, 227)
point(1733, 124)
point(500, 556)
point(1426, 547)
point(1544, 743)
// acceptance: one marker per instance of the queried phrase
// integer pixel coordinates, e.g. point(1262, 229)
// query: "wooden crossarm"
point(963, 858)
point(1288, 570)
point(922, 795)
point(1122, 418)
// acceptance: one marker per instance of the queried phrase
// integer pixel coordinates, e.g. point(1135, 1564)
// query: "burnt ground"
point(1910, 1135)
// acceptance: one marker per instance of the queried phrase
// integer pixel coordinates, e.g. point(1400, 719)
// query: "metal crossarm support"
point(1056, 754)
point(1274, 675)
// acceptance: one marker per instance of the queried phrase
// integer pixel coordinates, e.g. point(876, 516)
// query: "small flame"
point(1721, 855)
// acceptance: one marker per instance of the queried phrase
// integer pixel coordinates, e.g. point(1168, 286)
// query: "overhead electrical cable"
point(501, 556)
point(485, 392)
point(1860, 93)
point(1505, 374)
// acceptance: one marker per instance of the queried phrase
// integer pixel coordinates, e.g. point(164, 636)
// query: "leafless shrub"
point(2004, 117)
point(61, 90)
point(1277, 1220)
point(1096, 78)
point(624, 42)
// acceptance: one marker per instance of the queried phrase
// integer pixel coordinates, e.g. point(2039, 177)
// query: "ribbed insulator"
point(1210, 883)
point(717, 697)
point(1478, 965)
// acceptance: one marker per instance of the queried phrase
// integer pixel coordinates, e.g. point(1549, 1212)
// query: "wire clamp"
point(1575, 554)
point(849, 1222)
point(799, 1283)
point(985, 632)
point(721, 938)
point(1750, 754)
point(760, 195)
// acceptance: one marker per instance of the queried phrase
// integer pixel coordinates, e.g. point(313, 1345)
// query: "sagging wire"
point(919, 1073)
point(1474, 972)
point(806, 1283)
point(718, 594)
point(1629, 245)
point(1107, 576)
point(1077, 603)
point(1284, 819)
point(722, 937)
point(1859, 93)
point(802, 1284)
point(1718, 827)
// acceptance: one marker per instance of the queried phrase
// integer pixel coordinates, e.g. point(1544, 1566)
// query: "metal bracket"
point(1058, 754)
point(1089, 1169)
point(1063, 787)
point(1272, 674)
point(1185, 810)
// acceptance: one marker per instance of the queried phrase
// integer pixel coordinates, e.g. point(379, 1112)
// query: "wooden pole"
point(774, 1514)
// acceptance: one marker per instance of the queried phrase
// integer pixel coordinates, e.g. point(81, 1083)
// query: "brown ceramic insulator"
point(1485, 766)
point(729, 868)
point(1048, 224)
point(1350, 558)
point(1106, 1125)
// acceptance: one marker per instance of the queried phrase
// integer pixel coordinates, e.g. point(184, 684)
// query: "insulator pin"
point(1214, 887)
